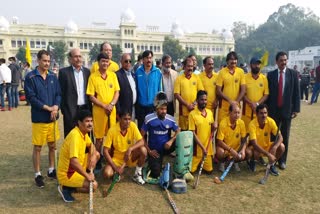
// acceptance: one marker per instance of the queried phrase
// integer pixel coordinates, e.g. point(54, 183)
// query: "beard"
point(255, 70)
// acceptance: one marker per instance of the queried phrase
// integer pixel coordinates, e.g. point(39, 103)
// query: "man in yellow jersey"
point(107, 49)
point(209, 79)
point(201, 123)
point(257, 91)
point(231, 137)
point(261, 130)
point(125, 142)
point(103, 91)
point(76, 159)
point(230, 85)
point(185, 90)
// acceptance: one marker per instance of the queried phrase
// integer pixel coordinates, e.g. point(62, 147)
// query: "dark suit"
point(291, 103)
point(69, 106)
point(125, 101)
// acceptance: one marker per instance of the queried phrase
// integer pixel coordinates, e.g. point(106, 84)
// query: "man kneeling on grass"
point(76, 158)
point(124, 146)
point(231, 138)
point(260, 131)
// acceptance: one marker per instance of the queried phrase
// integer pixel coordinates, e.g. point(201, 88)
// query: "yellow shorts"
point(206, 166)
point(184, 122)
point(100, 121)
point(42, 133)
point(76, 180)
point(119, 161)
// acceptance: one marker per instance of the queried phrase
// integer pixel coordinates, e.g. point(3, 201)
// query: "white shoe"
point(236, 167)
point(138, 179)
point(221, 167)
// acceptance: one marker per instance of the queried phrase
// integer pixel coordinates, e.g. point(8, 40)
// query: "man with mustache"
point(230, 85)
point(201, 123)
point(261, 129)
point(43, 92)
point(185, 91)
point(257, 91)
point(284, 99)
point(149, 83)
point(76, 159)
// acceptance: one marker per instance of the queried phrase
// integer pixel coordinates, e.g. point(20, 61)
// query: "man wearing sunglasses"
point(128, 92)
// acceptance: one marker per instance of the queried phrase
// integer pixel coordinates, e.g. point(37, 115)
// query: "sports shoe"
point(52, 175)
point(274, 171)
point(66, 194)
point(262, 162)
point(236, 167)
point(251, 165)
point(3, 109)
point(138, 179)
point(221, 167)
point(39, 181)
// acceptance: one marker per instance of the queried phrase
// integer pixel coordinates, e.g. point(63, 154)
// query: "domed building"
point(127, 36)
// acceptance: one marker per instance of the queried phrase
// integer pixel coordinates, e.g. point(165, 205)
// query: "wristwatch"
point(112, 103)
point(257, 104)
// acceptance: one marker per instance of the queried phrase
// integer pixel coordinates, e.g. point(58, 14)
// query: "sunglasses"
point(127, 61)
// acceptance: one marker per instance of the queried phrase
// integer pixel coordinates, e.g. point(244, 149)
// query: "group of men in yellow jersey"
point(122, 143)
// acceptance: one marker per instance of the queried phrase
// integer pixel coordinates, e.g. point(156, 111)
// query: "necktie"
point(280, 88)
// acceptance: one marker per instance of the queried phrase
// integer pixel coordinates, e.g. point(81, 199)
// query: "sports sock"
point(36, 174)
point(50, 170)
point(138, 170)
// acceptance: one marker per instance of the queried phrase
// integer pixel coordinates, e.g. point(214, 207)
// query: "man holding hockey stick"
point(201, 123)
point(261, 131)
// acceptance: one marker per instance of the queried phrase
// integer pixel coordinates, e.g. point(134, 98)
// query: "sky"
point(194, 16)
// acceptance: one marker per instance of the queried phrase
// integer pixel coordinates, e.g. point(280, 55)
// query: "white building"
point(307, 57)
point(127, 36)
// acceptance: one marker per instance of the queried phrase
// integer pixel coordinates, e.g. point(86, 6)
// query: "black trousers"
point(304, 89)
point(285, 131)
point(141, 113)
point(170, 109)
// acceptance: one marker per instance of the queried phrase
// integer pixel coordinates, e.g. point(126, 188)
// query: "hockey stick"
point(196, 182)
point(172, 203)
point(91, 185)
point(115, 179)
point(55, 148)
point(266, 175)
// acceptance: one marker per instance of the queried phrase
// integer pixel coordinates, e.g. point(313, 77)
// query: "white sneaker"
point(221, 167)
point(236, 167)
point(138, 179)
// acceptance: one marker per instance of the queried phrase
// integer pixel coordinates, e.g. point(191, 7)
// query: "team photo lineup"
point(117, 117)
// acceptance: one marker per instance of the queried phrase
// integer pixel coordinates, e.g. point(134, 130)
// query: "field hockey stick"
point(115, 180)
point(91, 184)
point(196, 182)
point(171, 201)
point(55, 148)
point(266, 175)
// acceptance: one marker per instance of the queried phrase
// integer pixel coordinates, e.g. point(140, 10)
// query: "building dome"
point(4, 24)
point(71, 27)
point(15, 20)
point(128, 16)
point(227, 35)
point(176, 29)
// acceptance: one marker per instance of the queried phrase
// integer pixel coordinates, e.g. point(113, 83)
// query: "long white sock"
point(50, 170)
point(138, 170)
point(36, 174)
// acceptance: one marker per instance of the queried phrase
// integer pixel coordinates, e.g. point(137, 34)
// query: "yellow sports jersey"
point(202, 127)
point(231, 137)
point(255, 90)
point(230, 84)
point(187, 88)
point(209, 85)
point(113, 66)
point(120, 143)
point(103, 89)
point(74, 146)
point(262, 135)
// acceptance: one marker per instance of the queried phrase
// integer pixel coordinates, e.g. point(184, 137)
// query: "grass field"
point(296, 190)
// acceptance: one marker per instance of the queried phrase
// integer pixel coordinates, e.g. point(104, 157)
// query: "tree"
point(173, 48)
point(241, 30)
point(116, 53)
point(59, 52)
point(93, 54)
point(21, 55)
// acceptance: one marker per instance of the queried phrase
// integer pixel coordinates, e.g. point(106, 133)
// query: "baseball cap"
point(255, 60)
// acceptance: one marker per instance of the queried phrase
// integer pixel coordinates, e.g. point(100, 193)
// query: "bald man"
point(107, 49)
point(73, 82)
point(128, 92)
